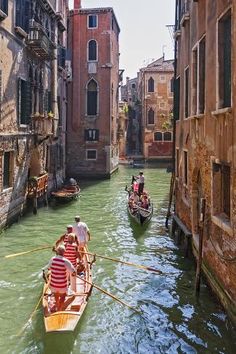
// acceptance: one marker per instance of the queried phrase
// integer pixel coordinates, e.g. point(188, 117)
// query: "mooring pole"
point(200, 247)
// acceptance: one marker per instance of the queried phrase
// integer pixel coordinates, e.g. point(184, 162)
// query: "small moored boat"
point(67, 319)
point(66, 194)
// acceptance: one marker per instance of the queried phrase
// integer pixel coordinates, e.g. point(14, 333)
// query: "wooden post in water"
point(200, 247)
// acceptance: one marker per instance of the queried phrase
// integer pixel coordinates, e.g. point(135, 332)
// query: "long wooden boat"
point(67, 319)
point(66, 194)
point(140, 215)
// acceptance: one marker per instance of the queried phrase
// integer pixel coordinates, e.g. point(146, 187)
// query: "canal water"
point(173, 320)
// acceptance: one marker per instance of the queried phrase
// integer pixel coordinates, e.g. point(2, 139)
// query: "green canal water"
point(173, 320)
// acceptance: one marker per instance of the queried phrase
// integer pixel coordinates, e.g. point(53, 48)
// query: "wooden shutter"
point(227, 62)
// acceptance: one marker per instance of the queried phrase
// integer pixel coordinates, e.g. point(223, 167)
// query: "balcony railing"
point(39, 42)
point(37, 186)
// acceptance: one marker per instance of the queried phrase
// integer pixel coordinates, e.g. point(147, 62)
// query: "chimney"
point(77, 4)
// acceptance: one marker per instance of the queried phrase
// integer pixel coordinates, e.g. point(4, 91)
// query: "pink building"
point(92, 147)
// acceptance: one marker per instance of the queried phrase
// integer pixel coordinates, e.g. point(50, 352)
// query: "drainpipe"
point(54, 85)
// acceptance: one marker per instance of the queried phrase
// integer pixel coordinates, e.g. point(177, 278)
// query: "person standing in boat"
point(71, 253)
point(64, 238)
point(81, 230)
point(140, 180)
point(59, 266)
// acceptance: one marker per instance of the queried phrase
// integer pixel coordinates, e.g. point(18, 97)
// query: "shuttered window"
point(151, 85)
point(24, 102)
point(7, 169)
point(4, 6)
point(186, 93)
point(92, 50)
point(150, 116)
point(22, 14)
point(92, 98)
point(185, 168)
point(91, 134)
point(91, 154)
point(176, 98)
point(201, 81)
point(224, 55)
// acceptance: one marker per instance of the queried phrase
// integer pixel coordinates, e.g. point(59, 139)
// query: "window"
point(151, 85)
point(167, 136)
point(177, 163)
point(91, 134)
point(158, 136)
point(4, 6)
point(176, 98)
point(23, 14)
point(91, 154)
point(24, 102)
point(92, 21)
point(202, 68)
point(92, 98)
point(133, 86)
point(7, 169)
point(92, 50)
point(224, 58)
point(186, 90)
point(150, 116)
point(172, 85)
point(185, 168)
point(198, 74)
point(221, 189)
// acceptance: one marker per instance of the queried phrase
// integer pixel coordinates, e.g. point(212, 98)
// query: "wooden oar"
point(123, 262)
point(33, 250)
point(32, 314)
point(109, 294)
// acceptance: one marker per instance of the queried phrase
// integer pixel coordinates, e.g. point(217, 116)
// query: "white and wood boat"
point(67, 319)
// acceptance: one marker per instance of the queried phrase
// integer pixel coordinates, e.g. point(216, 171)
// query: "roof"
point(160, 65)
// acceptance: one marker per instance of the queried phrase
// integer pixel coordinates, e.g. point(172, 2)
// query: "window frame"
point(150, 110)
point(88, 51)
point(156, 134)
point(150, 85)
point(88, 151)
point(87, 99)
point(10, 170)
point(88, 17)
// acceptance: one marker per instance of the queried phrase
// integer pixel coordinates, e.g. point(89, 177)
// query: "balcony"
point(61, 21)
point(42, 126)
point(37, 186)
point(39, 42)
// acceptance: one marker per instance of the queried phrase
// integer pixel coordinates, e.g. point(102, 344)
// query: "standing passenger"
point(140, 183)
point(82, 232)
point(58, 284)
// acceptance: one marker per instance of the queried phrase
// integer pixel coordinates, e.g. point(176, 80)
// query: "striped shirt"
point(71, 253)
point(59, 266)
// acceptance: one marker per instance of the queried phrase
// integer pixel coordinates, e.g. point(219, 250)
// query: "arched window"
point(92, 98)
point(92, 50)
point(151, 85)
point(158, 136)
point(167, 136)
point(150, 116)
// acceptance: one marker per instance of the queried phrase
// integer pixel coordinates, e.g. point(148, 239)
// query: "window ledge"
point(223, 223)
point(3, 15)
point(177, 34)
point(7, 190)
point(21, 32)
point(221, 111)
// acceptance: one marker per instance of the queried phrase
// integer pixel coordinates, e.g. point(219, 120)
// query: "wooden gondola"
point(140, 215)
point(66, 194)
point(67, 319)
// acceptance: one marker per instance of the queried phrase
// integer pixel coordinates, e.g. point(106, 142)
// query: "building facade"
point(92, 146)
point(129, 94)
point(205, 163)
point(32, 98)
point(156, 96)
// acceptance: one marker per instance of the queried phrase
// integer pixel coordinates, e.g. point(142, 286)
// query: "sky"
point(144, 35)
